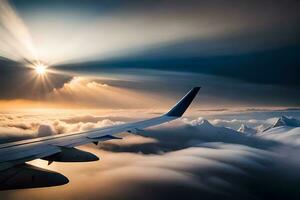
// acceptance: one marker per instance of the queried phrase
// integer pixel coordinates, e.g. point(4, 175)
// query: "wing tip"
point(184, 103)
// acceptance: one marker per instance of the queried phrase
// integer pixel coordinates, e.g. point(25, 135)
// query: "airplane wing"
point(15, 173)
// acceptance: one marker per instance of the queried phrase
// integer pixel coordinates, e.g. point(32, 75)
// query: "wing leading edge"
point(15, 154)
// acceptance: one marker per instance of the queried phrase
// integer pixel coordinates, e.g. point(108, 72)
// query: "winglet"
point(183, 104)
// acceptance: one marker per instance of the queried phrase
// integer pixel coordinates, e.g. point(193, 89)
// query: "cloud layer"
point(16, 127)
point(183, 159)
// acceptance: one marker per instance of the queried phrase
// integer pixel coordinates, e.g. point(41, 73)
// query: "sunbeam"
point(16, 41)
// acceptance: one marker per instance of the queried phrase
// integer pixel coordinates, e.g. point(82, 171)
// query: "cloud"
point(236, 123)
point(186, 133)
point(16, 127)
point(45, 130)
point(199, 164)
point(171, 23)
point(155, 24)
point(92, 118)
point(220, 171)
point(90, 92)
point(183, 159)
point(9, 134)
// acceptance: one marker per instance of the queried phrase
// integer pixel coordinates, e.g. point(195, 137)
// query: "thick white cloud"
point(15, 127)
point(183, 159)
point(220, 171)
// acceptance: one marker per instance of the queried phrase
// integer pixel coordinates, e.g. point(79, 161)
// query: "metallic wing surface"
point(15, 173)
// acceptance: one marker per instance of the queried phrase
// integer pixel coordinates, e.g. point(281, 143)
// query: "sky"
point(243, 53)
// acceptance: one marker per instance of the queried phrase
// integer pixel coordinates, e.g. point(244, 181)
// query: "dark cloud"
point(253, 42)
point(215, 88)
point(276, 66)
point(18, 81)
point(238, 39)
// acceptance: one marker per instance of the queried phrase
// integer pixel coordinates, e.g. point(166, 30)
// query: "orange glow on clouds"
point(87, 92)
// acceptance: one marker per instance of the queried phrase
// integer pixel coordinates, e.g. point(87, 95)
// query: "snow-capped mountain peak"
point(205, 123)
point(247, 130)
point(286, 121)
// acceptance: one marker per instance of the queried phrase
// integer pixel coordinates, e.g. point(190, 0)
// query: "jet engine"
point(71, 155)
point(29, 176)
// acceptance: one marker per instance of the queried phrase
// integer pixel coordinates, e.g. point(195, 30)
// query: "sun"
point(40, 69)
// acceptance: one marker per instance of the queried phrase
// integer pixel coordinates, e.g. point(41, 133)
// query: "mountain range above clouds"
point(286, 121)
point(285, 129)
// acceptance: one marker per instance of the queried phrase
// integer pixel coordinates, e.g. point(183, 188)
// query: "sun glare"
point(40, 69)
point(40, 75)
